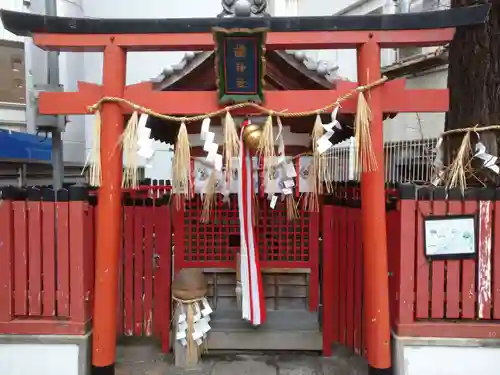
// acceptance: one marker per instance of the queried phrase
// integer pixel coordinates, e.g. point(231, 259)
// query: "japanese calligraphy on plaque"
point(240, 65)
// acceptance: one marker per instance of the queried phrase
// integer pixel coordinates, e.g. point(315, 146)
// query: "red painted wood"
point(422, 297)
point(275, 41)
point(453, 274)
point(163, 275)
point(395, 99)
point(484, 260)
point(128, 270)
point(42, 327)
point(342, 297)
point(6, 261)
point(314, 260)
point(469, 275)
point(375, 267)
point(328, 285)
point(80, 303)
point(351, 253)
point(63, 262)
point(91, 253)
point(20, 259)
point(148, 270)
point(109, 211)
point(139, 214)
point(179, 240)
point(463, 329)
point(393, 231)
point(438, 272)
point(358, 284)
point(335, 274)
point(49, 258)
point(120, 303)
point(496, 263)
point(35, 258)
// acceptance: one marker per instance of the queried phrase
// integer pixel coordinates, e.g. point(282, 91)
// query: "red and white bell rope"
point(252, 294)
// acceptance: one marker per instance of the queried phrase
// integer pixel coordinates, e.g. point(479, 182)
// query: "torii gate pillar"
point(375, 266)
point(108, 215)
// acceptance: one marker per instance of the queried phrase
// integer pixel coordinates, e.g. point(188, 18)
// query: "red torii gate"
point(71, 34)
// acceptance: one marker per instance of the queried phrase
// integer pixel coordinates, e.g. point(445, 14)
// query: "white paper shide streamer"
point(145, 147)
point(323, 143)
point(489, 161)
point(210, 146)
point(438, 163)
point(201, 326)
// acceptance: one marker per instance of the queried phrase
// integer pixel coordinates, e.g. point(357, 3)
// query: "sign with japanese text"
point(240, 65)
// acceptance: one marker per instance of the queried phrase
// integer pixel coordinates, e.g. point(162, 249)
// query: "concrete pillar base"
point(438, 356)
point(45, 354)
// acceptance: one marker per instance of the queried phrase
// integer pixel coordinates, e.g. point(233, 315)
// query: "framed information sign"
point(450, 237)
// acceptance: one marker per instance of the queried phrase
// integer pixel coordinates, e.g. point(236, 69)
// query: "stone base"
point(54, 355)
point(435, 356)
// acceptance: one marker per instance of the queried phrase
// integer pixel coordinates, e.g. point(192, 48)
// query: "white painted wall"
point(37, 359)
point(142, 66)
point(411, 126)
point(72, 70)
point(406, 126)
point(16, 5)
point(446, 360)
point(11, 116)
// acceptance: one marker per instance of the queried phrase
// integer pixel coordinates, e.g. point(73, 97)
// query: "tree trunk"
point(474, 84)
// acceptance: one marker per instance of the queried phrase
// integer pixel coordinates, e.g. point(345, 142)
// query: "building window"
point(12, 75)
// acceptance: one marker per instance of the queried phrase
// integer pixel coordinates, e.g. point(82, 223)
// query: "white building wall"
point(142, 66)
point(16, 5)
point(72, 70)
point(405, 126)
point(12, 116)
point(412, 126)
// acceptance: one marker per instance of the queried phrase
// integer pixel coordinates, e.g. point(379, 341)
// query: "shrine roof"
point(286, 70)
point(321, 71)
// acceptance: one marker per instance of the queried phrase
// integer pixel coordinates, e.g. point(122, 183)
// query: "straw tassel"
point(209, 197)
point(291, 208)
point(93, 162)
point(365, 158)
point(129, 141)
point(231, 143)
point(181, 166)
point(266, 145)
point(456, 173)
point(191, 347)
point(312, 201)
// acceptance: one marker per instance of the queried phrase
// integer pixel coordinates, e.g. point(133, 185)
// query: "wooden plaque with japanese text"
point(240, 65)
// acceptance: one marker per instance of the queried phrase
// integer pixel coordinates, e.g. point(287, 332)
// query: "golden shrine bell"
point(251, 136)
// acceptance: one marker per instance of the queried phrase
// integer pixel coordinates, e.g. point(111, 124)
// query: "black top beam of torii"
point(26, 24)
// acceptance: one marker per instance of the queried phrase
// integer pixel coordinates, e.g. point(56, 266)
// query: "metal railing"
point(405, 161)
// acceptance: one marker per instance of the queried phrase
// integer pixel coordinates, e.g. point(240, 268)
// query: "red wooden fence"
point(446, 298)
point(342, 267)
point(145, 270)
point(46, 261)
point(431, 298)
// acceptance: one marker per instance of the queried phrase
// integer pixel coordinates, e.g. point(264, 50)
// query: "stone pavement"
point(146, 360)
